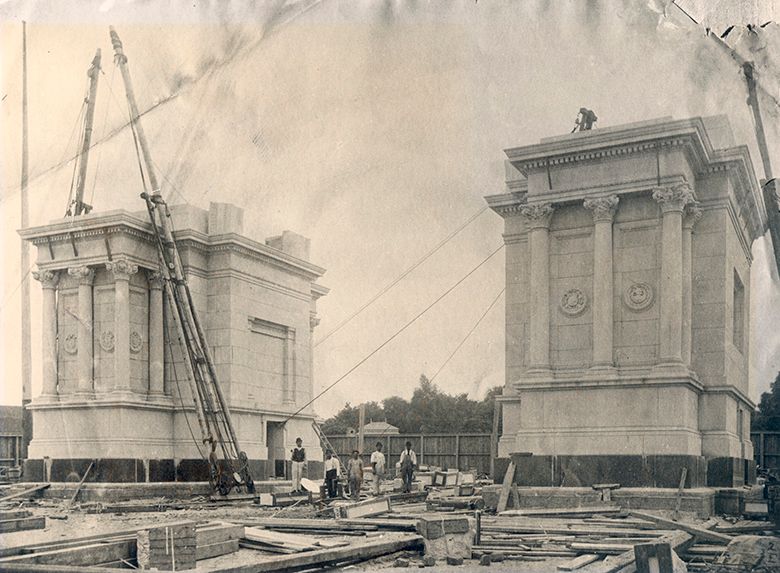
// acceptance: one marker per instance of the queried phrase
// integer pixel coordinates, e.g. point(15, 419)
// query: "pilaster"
point(156, 336)
point(672, 201)
point(119, 340)
point(691, 215)
point(85, 362)
point(48, 280)
point(603, 210)
point(538, 217)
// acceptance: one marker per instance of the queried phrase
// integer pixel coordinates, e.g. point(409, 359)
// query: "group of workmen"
point(354, 469)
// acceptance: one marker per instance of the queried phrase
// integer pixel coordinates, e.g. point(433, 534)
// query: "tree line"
point(429, 411)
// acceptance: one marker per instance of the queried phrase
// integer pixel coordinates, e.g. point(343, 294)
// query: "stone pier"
point(114, 386)
point(627, 322)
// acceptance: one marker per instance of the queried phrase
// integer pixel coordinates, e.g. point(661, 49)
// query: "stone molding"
point(691, 215)
point(48, 279)
point(136, 342)
point(71, 343)
point(675, 198)
point(314, 321)
point(603, 208)
point(538, 215)
point(122, 269)
point(107, 340)
point(155, 279)
point(84, 274)
point(573, 302)
point(639, 296)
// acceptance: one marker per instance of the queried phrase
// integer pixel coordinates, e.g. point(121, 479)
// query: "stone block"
point(435, 526)
point(225, 218)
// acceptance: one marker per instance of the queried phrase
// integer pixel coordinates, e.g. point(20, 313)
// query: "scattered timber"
point(699, 532)
point(578, 562)
point(679, 540)
point(22, 524)
point(27, 493)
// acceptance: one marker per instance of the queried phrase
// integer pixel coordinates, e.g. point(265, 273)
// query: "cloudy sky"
point(374, 128)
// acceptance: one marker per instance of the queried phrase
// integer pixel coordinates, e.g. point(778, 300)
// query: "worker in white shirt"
point(332, 472)
point(378, 465)
point(408, 463)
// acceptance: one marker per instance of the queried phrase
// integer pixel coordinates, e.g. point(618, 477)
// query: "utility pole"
point(78, 207)
point(361, 425)
point(25, 266)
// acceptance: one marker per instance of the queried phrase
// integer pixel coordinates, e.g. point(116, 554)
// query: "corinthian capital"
point(155, 279)
point(48, 279)
point(122, 269)
point(603, 208)
point(674, 198)
point(537, 216)
point(83, 274)
point(691, 215)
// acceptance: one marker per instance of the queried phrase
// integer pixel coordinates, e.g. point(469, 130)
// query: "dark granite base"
point(726, 472)
point(629, 471)
point(135, 470)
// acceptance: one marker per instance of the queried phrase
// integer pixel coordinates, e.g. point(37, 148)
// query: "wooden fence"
point(449, 451)
point(766, 449)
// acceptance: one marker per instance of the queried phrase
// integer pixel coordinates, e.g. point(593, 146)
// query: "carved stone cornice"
point(538, 215)
point(122, 269)
point(691, 215)
point(83, 274)
point(48, 279)
point(155, 279)
point(603, 208)
point(675, 198)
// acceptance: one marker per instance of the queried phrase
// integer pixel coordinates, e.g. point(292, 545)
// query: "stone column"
point(538, 222)
point(119, 340)
point(672, 201)
point(603, 213)
point(49, 280)
point(691, 215)
point(156, 336)
point(85, 361)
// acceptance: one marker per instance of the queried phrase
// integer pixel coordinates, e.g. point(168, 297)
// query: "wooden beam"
point(83, 555)
point(369, 549)
point(25, 493)
point(678, 501)
point(678, 540)
point(49, 568)
point(596, 509)
point(15, 514)
point(78, 487)
point(22, 524)
point(578, 562)
point(699, 532)
point(509, 479)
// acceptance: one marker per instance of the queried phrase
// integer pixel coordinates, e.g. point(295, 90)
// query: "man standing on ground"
point(355, 473)
point(332, 471)
point(378, 465)
point(298, 461)
point(408, 463)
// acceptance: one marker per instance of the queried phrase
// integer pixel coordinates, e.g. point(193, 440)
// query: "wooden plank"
point(14, 514)
point(218, 533)
point(699, 532)
point(50, 568)
point(80, 555)
point(678, 540)
point(25, 493)
point(740, 528)
point(210, 550)
point(599, 509)
point(578, 562)
point(389, 543)
point(367, 508)
point(23, 524)
point(78, 487)
point(603, 548)
point(678, 502)
point(509, 479)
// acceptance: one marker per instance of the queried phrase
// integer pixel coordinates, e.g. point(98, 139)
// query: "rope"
point(403, 275)
point(470, 332)
point(397, 333)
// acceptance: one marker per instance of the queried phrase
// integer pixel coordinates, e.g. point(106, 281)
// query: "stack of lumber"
point(588, 535)
point(117, 548)
point(20, 520)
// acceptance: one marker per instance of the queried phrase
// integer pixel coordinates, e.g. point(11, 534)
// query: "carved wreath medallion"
point(107, 340)
point(573, 302)
point(638, 296)
point(71, 343)
point(136, 342)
